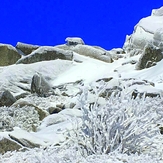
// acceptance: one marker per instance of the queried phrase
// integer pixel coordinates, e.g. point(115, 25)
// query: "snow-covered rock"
point(150, 56)
point(40, 86)
point(45, 53)
point(74, 41)
point(90, 51)
point(145, 31)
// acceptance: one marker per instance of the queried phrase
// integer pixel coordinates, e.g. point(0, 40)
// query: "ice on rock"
point(144, 32)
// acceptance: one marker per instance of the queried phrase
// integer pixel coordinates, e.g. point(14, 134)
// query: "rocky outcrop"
point(46, 53)
point(145, 33)
point(8, 145)
point(8, 54)
point(6, 98)
point(26, 48)
point(150, 57)
point(40, 86)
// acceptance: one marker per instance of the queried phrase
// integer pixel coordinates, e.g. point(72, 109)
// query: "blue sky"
point(104, 23)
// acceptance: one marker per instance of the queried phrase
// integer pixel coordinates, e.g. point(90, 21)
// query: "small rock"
point(104, 79)
point(6, 98)
point(40, 86)
point(53, 110)
point(8, 145)
point(74, 41)
point(72, 105)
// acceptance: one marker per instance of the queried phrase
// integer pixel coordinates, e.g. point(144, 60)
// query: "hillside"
point(80, 103)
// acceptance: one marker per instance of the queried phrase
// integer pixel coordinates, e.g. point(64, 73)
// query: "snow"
point(151, 24)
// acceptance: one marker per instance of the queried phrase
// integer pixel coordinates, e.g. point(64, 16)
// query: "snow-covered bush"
point(71, 155)
point(26, 118)
point(124, 124)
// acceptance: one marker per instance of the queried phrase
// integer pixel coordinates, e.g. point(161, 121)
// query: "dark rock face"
point(46, 53)
point(26, 48)
point(8, 55)
point(6, 98)
point(8, 145)
point(54, 110)
point(40, 86)
point(150, 57)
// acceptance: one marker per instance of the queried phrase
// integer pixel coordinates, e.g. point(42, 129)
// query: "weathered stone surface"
point(90, 51)
point(46, 53)
point(8, 55)
point(40, 86)
point(150, 57)
point(74, 41)
point(6, 98)
point(26, 48)
point(8, 145)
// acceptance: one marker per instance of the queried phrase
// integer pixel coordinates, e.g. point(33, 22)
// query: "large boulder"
point(8, 55)
point(6, 98)
point(40, 86)
point(26, 48)
point(151, 55)
point(45, 53)
point(93, 52)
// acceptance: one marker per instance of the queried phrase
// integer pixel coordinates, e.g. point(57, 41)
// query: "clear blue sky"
point(48, 22)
